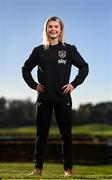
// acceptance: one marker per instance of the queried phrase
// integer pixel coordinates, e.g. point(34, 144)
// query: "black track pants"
point(63, 118)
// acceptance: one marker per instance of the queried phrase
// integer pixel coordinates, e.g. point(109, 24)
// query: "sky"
point(88, 26)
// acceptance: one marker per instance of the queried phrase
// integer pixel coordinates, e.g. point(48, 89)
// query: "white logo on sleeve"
point(62, 55)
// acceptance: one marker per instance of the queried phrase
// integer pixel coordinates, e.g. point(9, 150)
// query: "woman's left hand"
point(68, 88)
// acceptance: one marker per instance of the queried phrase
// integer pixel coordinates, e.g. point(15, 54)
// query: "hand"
point(68, 88)
point(40, 88)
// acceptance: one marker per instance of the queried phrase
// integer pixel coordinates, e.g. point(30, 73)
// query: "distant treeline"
point(15, 113)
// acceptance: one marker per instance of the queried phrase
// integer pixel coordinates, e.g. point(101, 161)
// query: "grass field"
point(53, 171)
point(89, 129)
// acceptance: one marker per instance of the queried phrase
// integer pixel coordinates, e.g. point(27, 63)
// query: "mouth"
point(52, 32)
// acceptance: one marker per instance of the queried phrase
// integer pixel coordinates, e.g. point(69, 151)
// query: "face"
point(53, 29)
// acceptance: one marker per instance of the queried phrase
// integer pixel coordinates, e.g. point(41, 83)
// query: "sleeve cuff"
point(74, 84)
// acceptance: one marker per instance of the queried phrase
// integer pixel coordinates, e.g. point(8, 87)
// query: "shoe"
point(68, 172)
point(36, 171)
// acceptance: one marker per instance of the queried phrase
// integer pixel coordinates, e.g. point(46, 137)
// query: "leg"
point(63, 118)
point(44, 113)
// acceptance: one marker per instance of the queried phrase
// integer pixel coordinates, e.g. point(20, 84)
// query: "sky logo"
point(61, 61)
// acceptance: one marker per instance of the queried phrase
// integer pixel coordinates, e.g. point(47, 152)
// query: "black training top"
point(54, 67)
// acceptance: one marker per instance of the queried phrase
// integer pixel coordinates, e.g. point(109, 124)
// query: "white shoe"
point(36, 171)
point(68, 172)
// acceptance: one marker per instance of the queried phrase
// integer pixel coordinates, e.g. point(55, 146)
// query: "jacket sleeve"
point(30, 63)
point(83, 68)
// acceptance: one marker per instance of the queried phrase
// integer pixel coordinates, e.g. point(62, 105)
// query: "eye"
point(49, 26)
point(56, 26)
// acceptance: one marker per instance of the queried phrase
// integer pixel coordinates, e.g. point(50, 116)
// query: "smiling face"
point(53, 30)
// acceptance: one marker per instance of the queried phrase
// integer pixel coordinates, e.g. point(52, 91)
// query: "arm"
point(79, 62)
point(30, 63)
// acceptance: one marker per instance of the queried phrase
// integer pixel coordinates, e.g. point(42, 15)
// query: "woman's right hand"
point(39, 88)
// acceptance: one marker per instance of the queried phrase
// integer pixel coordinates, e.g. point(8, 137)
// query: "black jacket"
point(54, 68)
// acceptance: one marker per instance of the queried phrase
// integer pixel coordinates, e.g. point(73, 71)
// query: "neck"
point(54, 41)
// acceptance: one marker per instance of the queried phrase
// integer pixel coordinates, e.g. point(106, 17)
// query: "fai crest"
point(62, 54)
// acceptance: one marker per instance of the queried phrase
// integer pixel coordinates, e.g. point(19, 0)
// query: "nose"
point(53, 28)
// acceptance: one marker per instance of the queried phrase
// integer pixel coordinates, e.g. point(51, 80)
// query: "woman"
point(54, 59)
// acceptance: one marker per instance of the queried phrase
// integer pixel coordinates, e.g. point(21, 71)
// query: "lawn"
point(88, 129)
point(54, 171)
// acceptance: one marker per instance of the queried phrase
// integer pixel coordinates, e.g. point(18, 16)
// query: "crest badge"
point(62, 54)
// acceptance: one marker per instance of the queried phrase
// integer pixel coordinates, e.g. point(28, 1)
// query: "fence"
point(85, 150)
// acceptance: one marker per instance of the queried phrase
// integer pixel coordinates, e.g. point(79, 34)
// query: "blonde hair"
point(46, 41)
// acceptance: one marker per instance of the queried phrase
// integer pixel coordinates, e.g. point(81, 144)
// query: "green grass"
point(53, 171)
point(89, 129)
point(94, 129)
point(26, 129)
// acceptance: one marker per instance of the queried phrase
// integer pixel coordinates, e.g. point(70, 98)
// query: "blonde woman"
point(54, 59)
